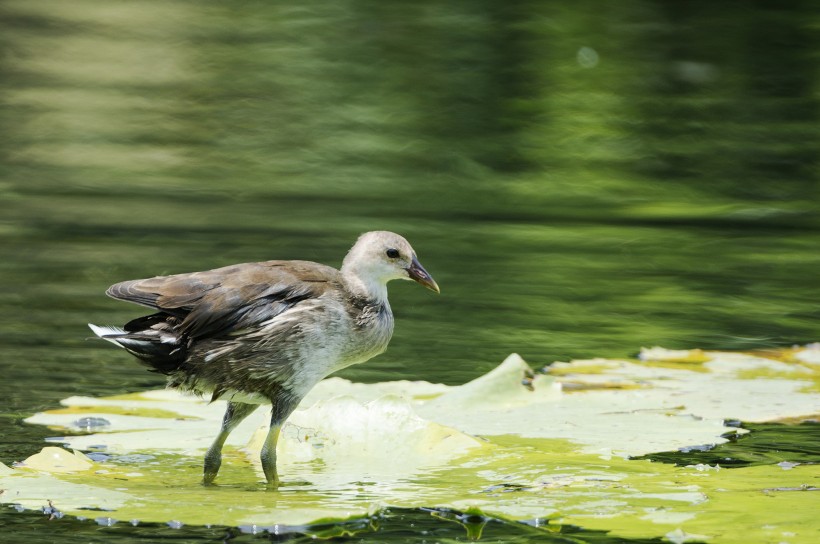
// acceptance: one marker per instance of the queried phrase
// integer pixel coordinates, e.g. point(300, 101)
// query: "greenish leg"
point(269, 456)
point(234, 415)
point(282, 405)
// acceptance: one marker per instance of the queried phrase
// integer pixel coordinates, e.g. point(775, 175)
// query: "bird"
point(265, 332)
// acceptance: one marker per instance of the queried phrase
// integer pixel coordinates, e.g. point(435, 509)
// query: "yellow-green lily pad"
point(512, 444)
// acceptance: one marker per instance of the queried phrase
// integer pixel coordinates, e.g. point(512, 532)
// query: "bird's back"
point(212, 305)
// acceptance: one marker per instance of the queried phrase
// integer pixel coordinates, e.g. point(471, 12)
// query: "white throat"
point(365, 285)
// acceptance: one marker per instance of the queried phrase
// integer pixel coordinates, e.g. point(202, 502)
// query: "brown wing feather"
point(218, 301)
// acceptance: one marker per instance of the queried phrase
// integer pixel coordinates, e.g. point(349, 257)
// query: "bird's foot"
point(211, 469)
point(271, 474)
point(273, 483)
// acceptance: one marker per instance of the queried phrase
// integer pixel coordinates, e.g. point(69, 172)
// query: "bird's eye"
point(393, 253)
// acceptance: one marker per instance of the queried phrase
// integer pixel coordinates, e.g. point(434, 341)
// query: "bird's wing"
point(219, 301)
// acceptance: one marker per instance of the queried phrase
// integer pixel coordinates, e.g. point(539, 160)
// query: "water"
point(580, 180)
point(765, 444)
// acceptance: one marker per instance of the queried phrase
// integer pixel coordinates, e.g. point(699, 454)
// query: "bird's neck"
point(364, 285)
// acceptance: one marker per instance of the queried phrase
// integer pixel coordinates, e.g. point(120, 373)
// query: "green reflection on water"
point(766, 444)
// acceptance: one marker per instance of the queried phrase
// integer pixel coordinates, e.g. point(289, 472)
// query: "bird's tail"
point(107, 333)
point(160, 351)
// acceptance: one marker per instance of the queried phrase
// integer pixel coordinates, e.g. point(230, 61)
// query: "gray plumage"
point(267, 332)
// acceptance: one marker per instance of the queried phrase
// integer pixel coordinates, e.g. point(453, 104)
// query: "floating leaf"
point(512, 444)
point(57, 460)
point(691, 356)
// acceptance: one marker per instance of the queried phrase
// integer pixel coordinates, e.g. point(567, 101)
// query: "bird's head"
point(380, 256)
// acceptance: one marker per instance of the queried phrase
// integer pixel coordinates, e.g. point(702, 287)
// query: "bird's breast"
point(373, 330)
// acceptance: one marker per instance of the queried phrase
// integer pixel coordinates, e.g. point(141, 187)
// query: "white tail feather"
point(102, 332)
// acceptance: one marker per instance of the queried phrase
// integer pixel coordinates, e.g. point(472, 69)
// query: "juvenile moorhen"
point(265, 333)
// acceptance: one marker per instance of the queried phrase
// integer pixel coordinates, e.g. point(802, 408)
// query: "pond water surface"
point(581, 181)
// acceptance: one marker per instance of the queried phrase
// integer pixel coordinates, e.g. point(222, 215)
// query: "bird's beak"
point(419, 274)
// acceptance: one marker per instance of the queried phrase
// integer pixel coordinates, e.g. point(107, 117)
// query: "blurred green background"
point(582, 179)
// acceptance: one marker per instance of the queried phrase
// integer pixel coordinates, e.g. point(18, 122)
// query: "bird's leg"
point(268, 455)
point(282, 406)
point(234, 414)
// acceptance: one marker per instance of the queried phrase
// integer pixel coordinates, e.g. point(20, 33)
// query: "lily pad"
point(513, 444)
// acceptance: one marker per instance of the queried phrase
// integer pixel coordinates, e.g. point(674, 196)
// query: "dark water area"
point(397, 525)
point(765, 444)
point(581, 180)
